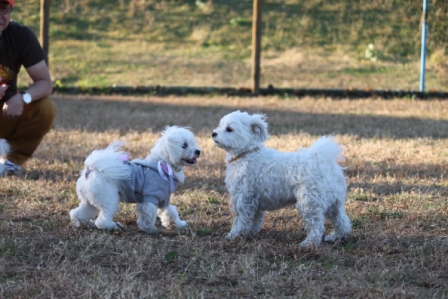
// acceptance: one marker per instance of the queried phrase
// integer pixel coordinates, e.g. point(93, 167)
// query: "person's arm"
point(41, 88)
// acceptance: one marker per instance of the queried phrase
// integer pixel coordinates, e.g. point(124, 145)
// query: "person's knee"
point(47, 113)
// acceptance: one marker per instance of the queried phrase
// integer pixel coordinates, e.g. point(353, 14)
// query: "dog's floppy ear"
point(171, 137)
point(260, 127)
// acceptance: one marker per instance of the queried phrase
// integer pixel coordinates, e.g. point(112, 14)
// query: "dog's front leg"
point(258, 222)
point(233, 231)
point(243, 223)
point(170, 215)
point(146, 217)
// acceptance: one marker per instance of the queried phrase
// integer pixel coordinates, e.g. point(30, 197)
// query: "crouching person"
point(27, 115)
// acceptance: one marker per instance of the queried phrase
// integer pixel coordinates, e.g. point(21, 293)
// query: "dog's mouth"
point(191, 161)
point(217, 143)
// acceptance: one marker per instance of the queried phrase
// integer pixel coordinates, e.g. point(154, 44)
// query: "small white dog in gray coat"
point(109, 177)
point(261, 179)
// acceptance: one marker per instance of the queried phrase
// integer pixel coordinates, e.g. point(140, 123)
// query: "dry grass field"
point(397, 173)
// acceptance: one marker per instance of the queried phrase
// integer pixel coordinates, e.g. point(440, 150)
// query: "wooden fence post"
point(45, 26)
point(256, 46)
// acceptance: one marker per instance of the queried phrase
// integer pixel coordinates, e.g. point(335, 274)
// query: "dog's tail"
point(109, 162)
point(327, 148)
point(4, 147)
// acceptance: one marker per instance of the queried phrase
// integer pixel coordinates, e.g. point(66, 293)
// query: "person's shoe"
point(8, 168)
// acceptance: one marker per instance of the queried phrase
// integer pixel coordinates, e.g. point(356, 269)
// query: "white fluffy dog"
point(109, 177)
point(261, 179)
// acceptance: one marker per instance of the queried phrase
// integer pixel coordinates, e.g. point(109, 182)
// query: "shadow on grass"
point(100, 115)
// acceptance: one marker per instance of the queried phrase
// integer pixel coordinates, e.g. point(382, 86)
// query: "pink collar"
point(167, 167)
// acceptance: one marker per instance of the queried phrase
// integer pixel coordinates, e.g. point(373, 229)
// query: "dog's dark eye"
point(184, 145)
point(229, 129)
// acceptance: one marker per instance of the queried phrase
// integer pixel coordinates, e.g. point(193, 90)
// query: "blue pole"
point(423, 50)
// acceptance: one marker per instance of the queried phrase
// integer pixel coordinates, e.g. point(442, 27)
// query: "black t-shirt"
point(18, 46)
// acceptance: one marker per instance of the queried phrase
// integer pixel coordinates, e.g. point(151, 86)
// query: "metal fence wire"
point(328, 44)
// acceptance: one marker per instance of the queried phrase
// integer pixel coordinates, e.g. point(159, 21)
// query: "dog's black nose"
point(197, 152)
point(214, 134)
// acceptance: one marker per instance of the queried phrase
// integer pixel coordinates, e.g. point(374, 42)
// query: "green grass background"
point(207, 43)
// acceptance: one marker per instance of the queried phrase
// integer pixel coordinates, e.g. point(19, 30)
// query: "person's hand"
point(14, 106)
point(3, 88)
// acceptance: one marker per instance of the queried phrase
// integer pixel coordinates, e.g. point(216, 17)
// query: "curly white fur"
point(260, 179)
point(100, 188)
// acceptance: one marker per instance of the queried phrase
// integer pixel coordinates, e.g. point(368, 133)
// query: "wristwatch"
point(26, 97)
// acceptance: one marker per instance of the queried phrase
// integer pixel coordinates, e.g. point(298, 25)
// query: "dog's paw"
point(75, 222)
point(150, 230)
point(182, 224)
point(91, 223)
point(231, 236)
point(242, 234)
point(331, 238)
point(309, 244)
point(120, 226)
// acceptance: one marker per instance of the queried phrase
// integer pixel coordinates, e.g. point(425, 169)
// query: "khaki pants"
point(25, 133)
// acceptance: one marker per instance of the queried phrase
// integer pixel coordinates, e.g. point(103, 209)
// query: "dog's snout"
point(214, 134)
point(197, 152)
